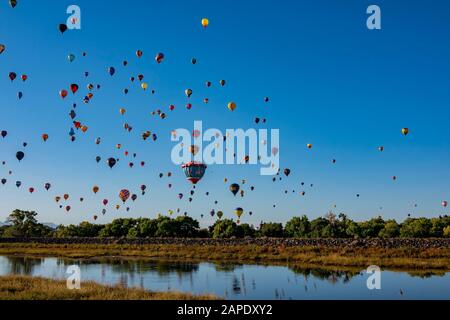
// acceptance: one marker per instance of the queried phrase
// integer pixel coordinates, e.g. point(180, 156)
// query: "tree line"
point(25, 224)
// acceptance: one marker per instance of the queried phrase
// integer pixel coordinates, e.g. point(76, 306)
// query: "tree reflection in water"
point(23, 265)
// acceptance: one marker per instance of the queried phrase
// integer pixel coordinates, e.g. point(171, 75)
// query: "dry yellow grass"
point(34, 288)
point(398, 258)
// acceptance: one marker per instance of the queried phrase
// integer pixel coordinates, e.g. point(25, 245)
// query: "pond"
point(237, 281)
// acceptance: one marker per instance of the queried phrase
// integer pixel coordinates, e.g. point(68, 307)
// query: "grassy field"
point(395, 258)
point(34, 288)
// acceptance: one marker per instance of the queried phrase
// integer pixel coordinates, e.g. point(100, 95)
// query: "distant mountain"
point(51, 225)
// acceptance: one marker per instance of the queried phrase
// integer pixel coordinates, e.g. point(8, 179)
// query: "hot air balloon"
point(44, 137)
point(74, 88)
point(140, 77)
point(238, 212)
point(20, 155)
point(105, 202)
point(95, 218)
point(63, 93)
point(47, 186)
point(98, 158)
point(111, 162)
point(139, 53)
point(71, 57)
point(193, 61)
point(444, 203)
point(193, 149)
point(381, 148)
point(208, 83)
point(4, 133)
point(111, 71)
point(124, 194)
point(3, 181)
point(159, 57)
point(62, 27)
point(24, 77)
point(188, 92)
point(205, 23)
point(287, 172)
point(95, 189)
point(19, 95)
point(405, 131)
point(194, 171)
point(2, 48)
point(232, 106)
point(234, 188)
point(12, 76)
point(122, 111)
point(144, 86)
point(68, 208)
point(134, 197)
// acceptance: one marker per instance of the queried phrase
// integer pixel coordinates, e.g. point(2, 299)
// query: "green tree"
point(416, 228)
point(24, 224)
point(118, 228)
point(372, 227)
point(225, 228)
point(391, 230)
point(273, 230)
point(298, 227)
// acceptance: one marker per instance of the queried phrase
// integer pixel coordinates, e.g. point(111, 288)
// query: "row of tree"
point(24, 224)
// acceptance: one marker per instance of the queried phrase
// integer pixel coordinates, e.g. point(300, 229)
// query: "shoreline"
point(428, 257)
point(18, 287)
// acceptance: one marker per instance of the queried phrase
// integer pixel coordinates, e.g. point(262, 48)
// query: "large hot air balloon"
point(124, 194)
point(194, 171)
point(234, 188)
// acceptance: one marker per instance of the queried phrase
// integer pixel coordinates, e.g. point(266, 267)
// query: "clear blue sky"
point(331, 82)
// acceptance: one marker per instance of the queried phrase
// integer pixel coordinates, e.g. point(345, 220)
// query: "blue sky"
point(331, 82)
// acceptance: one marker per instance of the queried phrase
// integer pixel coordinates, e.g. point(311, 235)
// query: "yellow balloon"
point(309, 145)
point(232, 106)
point(122, 111)
point(144, 85)
point(205, 22)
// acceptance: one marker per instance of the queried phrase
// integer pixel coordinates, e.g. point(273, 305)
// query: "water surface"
point(234, 281)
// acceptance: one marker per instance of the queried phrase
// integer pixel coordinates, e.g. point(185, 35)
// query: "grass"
point(393, 258)
point(35, 288)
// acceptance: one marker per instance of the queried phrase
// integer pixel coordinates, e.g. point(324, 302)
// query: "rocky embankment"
point(287, 242)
